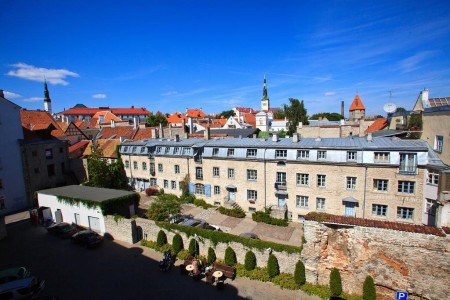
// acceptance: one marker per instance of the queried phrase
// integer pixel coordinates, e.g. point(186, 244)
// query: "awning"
point(350, 199)
point(230, 187)
point(281, 192)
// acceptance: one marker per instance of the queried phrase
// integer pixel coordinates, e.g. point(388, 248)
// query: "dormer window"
point(280, 153)
point(251, 152)
point(230, 152)
point(158, 150)
point(215, 151)
point(302, 154)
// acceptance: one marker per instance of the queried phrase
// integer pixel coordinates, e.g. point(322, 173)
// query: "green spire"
point(265, 97)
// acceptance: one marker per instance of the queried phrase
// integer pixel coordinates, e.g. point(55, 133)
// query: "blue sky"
point(170, 55)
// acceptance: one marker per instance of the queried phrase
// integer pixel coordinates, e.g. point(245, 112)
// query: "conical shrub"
point(250, 261)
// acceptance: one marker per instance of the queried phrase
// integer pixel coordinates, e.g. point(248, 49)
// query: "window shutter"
point(191, 188)
point(208, 190)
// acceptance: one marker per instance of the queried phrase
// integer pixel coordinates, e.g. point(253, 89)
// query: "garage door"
point(94, 223)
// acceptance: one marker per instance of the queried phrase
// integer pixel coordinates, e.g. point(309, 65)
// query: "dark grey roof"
point(437, 108)
point(387, 133)
point(86, 192)
point(236, 132)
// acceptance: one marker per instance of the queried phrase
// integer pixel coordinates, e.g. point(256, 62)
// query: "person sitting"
point(196, 272)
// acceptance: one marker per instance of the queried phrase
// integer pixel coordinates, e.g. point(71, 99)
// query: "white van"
point(26, 288)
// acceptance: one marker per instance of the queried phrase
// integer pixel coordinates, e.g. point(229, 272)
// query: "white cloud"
point(99, 96)
point(33, 99)
point(53, 76)
point(413, 62)
point(11, 95)
point(330, 94)
point(171, 93)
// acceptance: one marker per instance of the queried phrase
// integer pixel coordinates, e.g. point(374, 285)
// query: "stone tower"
point(356, 110)
point(265, 102)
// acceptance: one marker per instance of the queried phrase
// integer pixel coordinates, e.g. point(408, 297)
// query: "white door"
point(77, 219)
point(58, 216)
point(231, 196)
point(350, 209)
point(94, 223)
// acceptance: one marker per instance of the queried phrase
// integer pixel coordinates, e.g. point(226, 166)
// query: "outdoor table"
point(217, 274)
point(190, 268)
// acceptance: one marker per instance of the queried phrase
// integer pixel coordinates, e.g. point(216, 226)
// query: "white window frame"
point(302, 154)
point(199, 189)
point(320, 203)
point(215, 151)
point(405, 213)
point(160, 168)
point(230, 173)
point(321, 154)
point(302, 201)
point(144, 166)
point(135, 165)
point(173, 185)
point(280, 153)
point(321, 180)
point(433, 178)
point(381, 185)
point(177, 169)
point(302, 179)
point(381, 157)
point(351, 183)
point(216, 172)
point(252, 175)
point(252, 196)
point(438, 143)
point(252, 152)
point(379, 210)
point(352, 155)
point(230, 152)
point(406, 187)
point(216, 190)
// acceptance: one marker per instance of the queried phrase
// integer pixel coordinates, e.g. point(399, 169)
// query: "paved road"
point(115, 270)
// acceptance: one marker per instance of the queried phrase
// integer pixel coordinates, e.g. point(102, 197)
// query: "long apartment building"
point(381, 178)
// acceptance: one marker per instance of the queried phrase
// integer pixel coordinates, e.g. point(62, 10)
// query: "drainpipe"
point(265, 181)
point(365, 188)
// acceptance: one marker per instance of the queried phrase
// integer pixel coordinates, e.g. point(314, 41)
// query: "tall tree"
point(226, 114)
point(279, 114)
point(329, 116)
point(156, 119)
point(295, 113)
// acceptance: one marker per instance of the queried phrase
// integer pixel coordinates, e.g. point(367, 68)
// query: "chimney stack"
point(153, 132)
point(2, 95)
point(275, 137)
point(136, 123)
point(161, 131)
point(295, 137)
point(369, 137)
point(177, 138)
point(207, 133)
point(342, 108)
point(113, 123)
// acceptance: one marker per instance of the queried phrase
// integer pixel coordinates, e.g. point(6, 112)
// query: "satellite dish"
point(389, 107)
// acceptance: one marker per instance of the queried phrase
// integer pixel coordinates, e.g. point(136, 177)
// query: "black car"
point(179, 218)
point(87, 238)
point(63, 230)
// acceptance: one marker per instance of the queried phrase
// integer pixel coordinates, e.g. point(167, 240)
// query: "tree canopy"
point(102, 174)
point(400, 109)
point(279, 114)
point(156, 119)
point(329, 116)
point(295, 113)
point(226, 114)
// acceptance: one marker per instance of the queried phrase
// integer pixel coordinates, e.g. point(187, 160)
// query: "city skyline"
point(169, 56)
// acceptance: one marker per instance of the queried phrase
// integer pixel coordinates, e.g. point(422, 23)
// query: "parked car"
point(87, 238)
point(176, 219)
point(250, 235)
point(212, 227)
point(12, 274)
point(25, 288)
point(63, 230)
point(194, 223)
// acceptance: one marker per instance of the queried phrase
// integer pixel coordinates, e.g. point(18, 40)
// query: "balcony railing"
point(199, 177)
point(409, 170)
point(280, 185)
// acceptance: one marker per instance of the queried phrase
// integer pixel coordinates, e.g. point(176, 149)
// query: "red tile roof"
point(436, 102)
point(80, 146)
point(34, 121)
point(117, 132)
point(250, 119)
point(107, 116)
point(247, 110)
point(116, 111)
point(108, 148)
point(143, 133)
point(176, 117)
point(378, 124)
point(327, 218)
point(195, 113)
point(357, 104)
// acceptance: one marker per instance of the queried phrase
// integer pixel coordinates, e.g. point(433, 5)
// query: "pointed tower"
point(356, 110)
point(47, 100)
point(265, 102)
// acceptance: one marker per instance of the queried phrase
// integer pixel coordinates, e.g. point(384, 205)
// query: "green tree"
point(156, 119)
point(335, 282)
point(400, 109)
point(299, 273)
point(329, 116)
point(161, 239)
point(295, 113)
point(369, 291)
point(250, 261)
point(211, 256)
point(230, 257)
point(164, 206)
point(273, 269)
point(279, 114)
point(415, 120)
point(177, 244)
point(226, 114)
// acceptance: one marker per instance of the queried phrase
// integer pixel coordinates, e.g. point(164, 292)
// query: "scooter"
point(167, 262)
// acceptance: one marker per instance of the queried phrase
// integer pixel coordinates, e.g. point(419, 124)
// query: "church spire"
point(265, 97)
point(47, 100)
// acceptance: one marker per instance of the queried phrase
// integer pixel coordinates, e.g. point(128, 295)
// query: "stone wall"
point(122, 230)
point(417, 263)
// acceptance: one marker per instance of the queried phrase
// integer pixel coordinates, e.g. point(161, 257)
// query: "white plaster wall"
point(69, 211)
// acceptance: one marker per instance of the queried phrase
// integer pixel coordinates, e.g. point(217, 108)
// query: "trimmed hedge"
point(264, 217)
point(317, 216)
point(369, 291)
point(299, 273)
point(161, 239)
point(335, 282)
point(230, 257)
point(202, 203)
point(250, 261)
point(222, 237)
point(231, 212)
point(193, 248)
point(211, 256)
point(177, 243)
point(273, 269)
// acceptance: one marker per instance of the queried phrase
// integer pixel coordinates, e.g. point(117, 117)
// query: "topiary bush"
point(273, 269)
point(161, 240)
point(211, 256)
point(193, 248)
point(202, 203)
point(299, 273)
point(250, 261)
point(230, 257)
point(264, 217)
point(183, 254)
point(335, 282)
point(231, 212)
point(151, 191)
point(177, 244)
point(369, 291)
